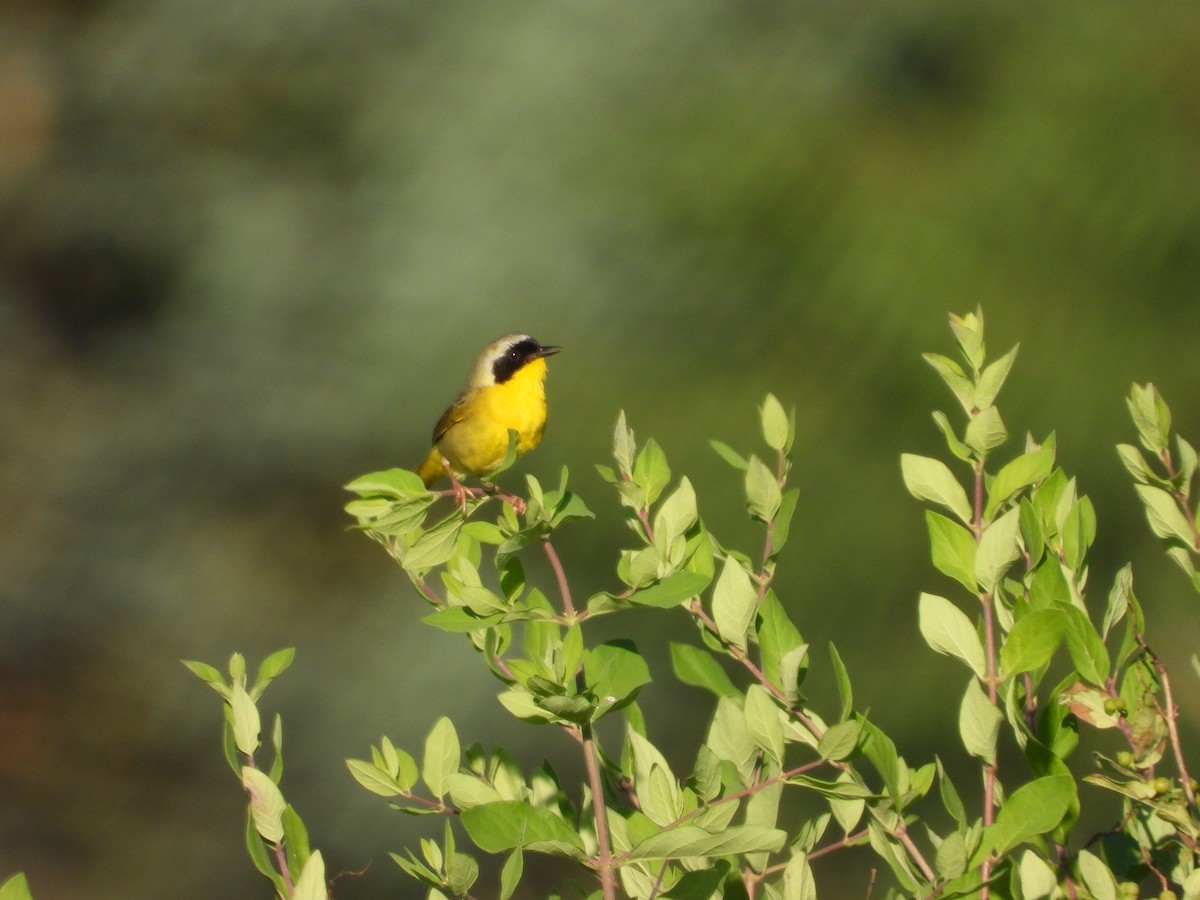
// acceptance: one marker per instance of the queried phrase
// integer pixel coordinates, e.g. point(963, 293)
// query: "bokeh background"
point(248, 251)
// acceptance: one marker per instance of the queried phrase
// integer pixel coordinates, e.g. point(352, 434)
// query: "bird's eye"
point(514, 354)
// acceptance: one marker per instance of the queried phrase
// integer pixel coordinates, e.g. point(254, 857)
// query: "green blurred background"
point(248, 251)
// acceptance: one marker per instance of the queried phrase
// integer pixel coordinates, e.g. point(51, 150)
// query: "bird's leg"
point(512, 500)
point(458, 489)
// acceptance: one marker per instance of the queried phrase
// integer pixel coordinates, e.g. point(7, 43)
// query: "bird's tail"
point(432, 469)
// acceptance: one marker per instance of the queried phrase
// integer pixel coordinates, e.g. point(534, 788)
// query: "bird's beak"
point(548, 351)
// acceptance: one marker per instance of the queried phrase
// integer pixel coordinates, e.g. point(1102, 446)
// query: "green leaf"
point(957, 447)
point(968, 330)
point(763, 494)
point(931, 479)
point(510, 873)
point(728, 739)
point(1165, 518)
point(689, 840)
point(1151, 417)
point(734, 603)
point(798, 883)
point(979, 723)
point(776, 424)
point(1097, 877)
point(730, 455)
point(986, 431)
point(952, 373)
point(992, 378)
point(272, 667)
point(672, 590)
point(512, 824)
point(1089, 656)
point(999, 548)
point(763, 723)
point(615, 672)
point(951, 859)
point(845, 693)
point(701, 884)
point(266, 803)
point(1136, 465)
point(1037, 878)
point(399, 483)
point(881, 751)
point(782, 525)
point(781, 647)
point(1118, 599)
point(1026, 469)
point(442, 756)
point(295, 840)
point(209, 675)
point(460, 619)
point(650, 470)
point(374, 779)
point(950, 797)
point(15, 888)
point(676, 514)
point(1032, 810)
point(840, 741)
point(246, 723)
point(659, 795)
point(953, 549)
point(623, 444)
point(947, 630)
point(432, 548)
point(258, 855)
point(311, 883)
point(1032, 641)
point(700, 669)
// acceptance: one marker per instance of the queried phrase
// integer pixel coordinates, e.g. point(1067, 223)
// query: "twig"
point(1171, 714)
point(604, 858)
point(563, 588)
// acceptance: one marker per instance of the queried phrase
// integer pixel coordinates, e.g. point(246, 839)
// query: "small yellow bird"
point(506, 391)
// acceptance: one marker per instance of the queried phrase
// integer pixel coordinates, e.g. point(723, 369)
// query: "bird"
point(505, 392)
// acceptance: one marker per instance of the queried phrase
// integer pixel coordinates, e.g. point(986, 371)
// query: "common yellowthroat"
point(506, 391)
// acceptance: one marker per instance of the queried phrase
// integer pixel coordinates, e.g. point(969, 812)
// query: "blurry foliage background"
point(248, 251)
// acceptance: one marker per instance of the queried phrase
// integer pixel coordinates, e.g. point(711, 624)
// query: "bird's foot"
point(517, 504)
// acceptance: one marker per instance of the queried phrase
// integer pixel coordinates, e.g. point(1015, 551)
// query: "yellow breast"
point(479, 441)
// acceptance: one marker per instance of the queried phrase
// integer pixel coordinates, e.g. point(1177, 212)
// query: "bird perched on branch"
point(506, 392)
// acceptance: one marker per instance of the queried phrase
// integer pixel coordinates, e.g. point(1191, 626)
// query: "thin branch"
point(563, 588)
point(1171, 714)
point(604, 857)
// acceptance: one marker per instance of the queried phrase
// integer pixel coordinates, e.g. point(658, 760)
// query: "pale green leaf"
point(1032, 810)
point(986, 431)
point(947, 629)
point(776, 426)
point(15, 887)
point(931, 479)
point(1025, 470)
point(689, 841)
point(992, 378)
point(999, 548)
point(1032, 641)
point(442, 756)
point(311, 883)
point(979, 723)
point(1166, 519)
point(734, 603)
point(246, 723)
point(763, 723)
point(1096, 876)
point(699, 668)
point(952, 549)
point(266, 803)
